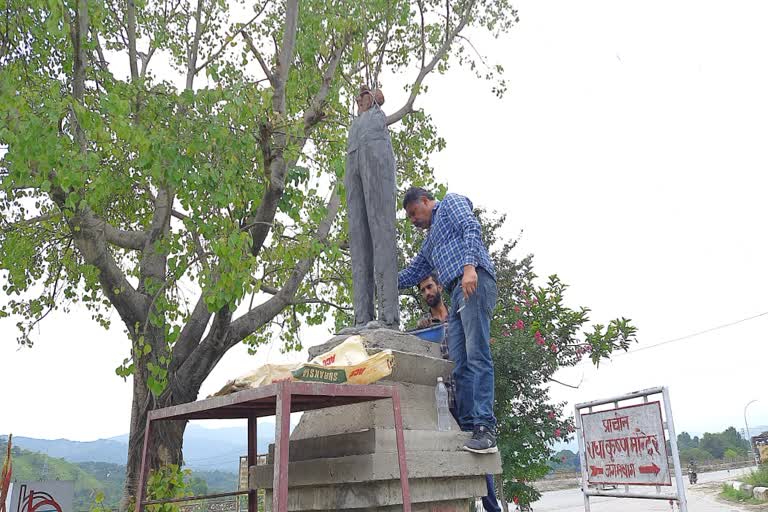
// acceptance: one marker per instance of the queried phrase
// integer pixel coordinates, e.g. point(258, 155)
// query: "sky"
point(629, 149)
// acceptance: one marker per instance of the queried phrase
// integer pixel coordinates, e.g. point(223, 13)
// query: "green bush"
point(731, 494)
point(759, 477)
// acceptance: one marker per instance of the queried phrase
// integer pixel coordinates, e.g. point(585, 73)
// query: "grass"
point(731, 494)
point(758, 478)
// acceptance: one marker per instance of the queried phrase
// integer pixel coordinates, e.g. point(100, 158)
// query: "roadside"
point(714, 490)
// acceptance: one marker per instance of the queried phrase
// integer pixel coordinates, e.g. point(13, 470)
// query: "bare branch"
point(264, 67)
point(577, 386)
point(215, 55)
point(439, 55)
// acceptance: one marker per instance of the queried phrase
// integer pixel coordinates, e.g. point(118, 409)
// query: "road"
point(571, 500)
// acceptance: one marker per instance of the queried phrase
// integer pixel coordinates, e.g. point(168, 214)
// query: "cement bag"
point(261, 376)
point(368, 371)
point(350, 352)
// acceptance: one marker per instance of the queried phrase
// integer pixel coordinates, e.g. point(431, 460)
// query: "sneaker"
point(483, 441)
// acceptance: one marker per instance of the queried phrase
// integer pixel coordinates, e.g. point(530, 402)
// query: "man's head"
point(366, 98)
point(431, 290)
point(418, 204)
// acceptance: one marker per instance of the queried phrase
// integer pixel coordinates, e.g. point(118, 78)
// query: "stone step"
point(379, 440)
point(379, 466)
point(426, 494)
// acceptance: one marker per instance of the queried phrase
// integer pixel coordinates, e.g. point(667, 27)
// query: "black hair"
point(434, 277)
point(414, 194)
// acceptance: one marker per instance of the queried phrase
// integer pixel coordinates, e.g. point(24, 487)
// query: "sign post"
point(626, 446)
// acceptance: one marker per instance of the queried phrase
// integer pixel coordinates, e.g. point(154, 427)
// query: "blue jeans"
point(490, 503)
point(469, 347)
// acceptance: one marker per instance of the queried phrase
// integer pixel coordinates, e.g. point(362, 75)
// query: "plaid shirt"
point(453, 241)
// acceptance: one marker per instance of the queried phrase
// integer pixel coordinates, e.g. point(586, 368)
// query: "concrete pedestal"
point(345, 458)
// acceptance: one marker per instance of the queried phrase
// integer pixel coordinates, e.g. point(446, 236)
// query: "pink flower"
point(553, 348)
point(570, 428)
point(505, 333)
point(558, 432)
point(540, 341)
point(535, 300)
point(519, 325)
point(551, 415)
point(539, 338)
point(517, 309)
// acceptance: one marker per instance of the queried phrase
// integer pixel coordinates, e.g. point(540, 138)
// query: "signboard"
point(50, 496)
point(626, 446)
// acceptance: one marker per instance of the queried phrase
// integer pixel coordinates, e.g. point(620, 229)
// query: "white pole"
point(746, 433)
point(682, 502)
point(582, 456)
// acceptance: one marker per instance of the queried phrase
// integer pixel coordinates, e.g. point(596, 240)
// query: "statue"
point(371, 205)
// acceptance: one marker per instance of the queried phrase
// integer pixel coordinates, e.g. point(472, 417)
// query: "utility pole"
point(748, 436)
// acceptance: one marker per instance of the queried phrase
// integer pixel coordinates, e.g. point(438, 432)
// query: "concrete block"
point(418, 369)
point(418, 408)
point(746, 488)
point(378, 466)
point(736, 485)
point(371, 441)
point(760, 493)
point(372, 495)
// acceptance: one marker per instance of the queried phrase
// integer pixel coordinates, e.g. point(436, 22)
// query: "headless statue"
point(371, 202)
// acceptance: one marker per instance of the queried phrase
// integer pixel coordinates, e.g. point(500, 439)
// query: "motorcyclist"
point(692, 475)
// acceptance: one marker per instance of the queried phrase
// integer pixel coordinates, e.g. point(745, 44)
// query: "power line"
point(688, 336)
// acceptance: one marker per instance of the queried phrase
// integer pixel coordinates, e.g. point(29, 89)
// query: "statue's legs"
point(377, 174)
point(360, 243)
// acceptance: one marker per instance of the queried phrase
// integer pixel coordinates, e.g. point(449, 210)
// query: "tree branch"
point(314, 114)
point(304, 300)
point(192, 52)
point(263, 313)
point(257, 54)
point(275, 159)
point(439, 55)
point(131, 15)
point(215, 55)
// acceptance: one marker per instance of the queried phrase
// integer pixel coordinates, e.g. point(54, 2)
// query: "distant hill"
point(204, 449)
point(93, 477)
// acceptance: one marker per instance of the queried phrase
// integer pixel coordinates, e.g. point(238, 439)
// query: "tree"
point(203, 215)
point(696, 454)
point(684, 441)
point(713, 443)
point(534, 334)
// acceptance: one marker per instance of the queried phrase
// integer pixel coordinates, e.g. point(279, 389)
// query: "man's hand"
point(469, 281)
point(423, 323)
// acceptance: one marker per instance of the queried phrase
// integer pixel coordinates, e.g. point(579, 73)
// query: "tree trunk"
point(167, 436)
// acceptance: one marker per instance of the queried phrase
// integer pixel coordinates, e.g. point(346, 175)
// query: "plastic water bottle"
point(443, 412)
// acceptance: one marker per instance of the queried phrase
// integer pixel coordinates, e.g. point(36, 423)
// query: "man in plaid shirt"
point(453, 247)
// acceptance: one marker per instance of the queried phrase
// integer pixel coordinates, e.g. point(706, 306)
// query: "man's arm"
point(414, 273)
